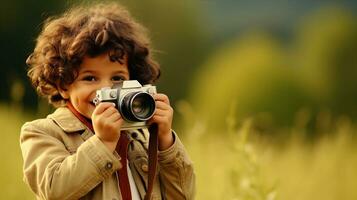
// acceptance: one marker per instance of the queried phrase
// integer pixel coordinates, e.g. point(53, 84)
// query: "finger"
point(159, 119)
point(119, 121)
point(113, 117)
point(161, 113)
point(162, 105)
point(162, 97)
point(109, 111)
point(102, 107)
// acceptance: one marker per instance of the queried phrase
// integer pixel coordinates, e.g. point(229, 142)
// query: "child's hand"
point(163, 117)
point(106, 123)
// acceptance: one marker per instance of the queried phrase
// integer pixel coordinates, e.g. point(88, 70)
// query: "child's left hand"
point(163, 118)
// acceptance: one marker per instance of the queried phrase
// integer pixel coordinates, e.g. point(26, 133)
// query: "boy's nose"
point(106, 84)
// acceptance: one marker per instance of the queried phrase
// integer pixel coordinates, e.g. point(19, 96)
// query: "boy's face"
point(94, 73)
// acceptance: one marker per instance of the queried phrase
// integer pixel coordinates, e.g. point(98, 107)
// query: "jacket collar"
point(66, 120)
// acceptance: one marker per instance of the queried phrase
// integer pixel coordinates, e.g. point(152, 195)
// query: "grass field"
point(232, 164)
point(236, 165)
point(11, 183)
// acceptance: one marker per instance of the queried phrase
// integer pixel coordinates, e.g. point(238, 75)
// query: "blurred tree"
point(251, 75)
point(19, 25)
point(326, 53)
point(256, 75)
point(178, 37)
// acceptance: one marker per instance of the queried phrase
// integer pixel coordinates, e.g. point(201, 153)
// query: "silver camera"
point(134, 102)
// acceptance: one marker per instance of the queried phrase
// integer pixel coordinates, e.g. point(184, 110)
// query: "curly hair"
point(88, 30)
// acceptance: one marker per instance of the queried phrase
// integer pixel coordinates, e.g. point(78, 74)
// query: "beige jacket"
point(63, 159)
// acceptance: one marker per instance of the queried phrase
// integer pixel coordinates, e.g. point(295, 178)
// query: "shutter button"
point(109, 165)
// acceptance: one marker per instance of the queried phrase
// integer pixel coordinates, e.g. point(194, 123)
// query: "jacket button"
point(109, 165)
point(134, 135)
point(145, 167)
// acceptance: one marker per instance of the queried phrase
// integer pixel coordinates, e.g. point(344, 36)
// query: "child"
point(73, 153)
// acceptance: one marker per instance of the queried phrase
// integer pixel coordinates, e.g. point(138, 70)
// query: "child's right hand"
point(107, 121)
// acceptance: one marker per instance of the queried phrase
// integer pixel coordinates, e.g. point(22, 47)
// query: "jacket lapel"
point(69, 123)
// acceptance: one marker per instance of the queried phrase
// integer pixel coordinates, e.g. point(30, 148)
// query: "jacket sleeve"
point(176, 172)
point(53, 173)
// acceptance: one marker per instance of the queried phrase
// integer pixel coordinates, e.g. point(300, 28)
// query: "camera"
point(134, 102)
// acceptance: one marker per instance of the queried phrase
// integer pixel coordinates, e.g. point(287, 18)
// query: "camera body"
point(134, 102)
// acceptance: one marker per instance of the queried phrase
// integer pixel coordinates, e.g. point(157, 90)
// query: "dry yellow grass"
point(11, 184)
point(231, 166)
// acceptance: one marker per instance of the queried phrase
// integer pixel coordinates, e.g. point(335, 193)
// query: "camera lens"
point(138, 106)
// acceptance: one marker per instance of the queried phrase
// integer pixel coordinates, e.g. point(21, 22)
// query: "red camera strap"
point(122, 149)
point(153, 148)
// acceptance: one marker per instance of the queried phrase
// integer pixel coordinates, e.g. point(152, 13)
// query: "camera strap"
point(153, 148)
point(123, 180)
point(122, 149)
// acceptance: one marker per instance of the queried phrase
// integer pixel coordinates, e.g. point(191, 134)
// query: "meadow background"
point(264, 92)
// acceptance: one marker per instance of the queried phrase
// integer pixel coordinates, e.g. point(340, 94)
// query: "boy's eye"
point(89, 78)
point(118, 78)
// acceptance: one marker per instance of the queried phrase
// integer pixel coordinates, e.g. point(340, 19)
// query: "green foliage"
point(178, 38)
point(263, 77)
point(325, 52)
point(252, 73)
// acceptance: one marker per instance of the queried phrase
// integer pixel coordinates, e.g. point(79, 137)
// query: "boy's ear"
point(63, 92)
